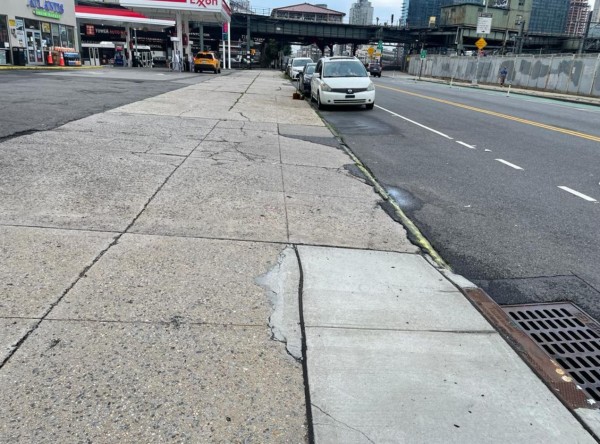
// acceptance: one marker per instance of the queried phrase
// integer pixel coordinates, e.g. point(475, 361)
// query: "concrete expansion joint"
point(341, 422)
point(80, 276)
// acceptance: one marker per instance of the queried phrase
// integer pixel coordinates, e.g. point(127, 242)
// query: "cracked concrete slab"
point(157, 279)
point(371, 386)
point(265, 127)
point(243, 136)
point(77, 188)
point(38, 265)
point(118, 124)
point(339, 222)
point(230, 200)
point(75, 140)
point(320, 181)
point(381, 290)
point(237, 151)
point(12, 330)
point(133, 143)
point(133, 383)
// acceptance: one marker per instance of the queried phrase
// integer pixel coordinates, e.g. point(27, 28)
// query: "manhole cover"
point(568, 335)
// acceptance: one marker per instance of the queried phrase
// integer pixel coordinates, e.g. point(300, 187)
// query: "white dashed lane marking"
point(578, 194)
point(512, 165)
point(465, 144)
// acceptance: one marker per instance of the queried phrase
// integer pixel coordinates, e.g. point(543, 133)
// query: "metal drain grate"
point(568, 335)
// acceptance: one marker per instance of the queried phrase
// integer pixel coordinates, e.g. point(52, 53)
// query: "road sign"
point(380, 45)
point(371, 50)
point(423, 53)
point(481, 43)
point(484, 23)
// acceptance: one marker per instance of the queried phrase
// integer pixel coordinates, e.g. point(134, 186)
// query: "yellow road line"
point(502, 116)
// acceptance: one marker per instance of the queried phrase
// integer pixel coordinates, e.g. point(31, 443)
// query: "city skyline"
point(382, 8)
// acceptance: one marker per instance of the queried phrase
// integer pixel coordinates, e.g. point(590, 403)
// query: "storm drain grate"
point(568, 335)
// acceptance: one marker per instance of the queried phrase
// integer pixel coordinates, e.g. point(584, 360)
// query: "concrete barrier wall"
point(563, 74)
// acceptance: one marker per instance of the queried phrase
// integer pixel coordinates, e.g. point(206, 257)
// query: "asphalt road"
point(42, 100)
point(479, 173)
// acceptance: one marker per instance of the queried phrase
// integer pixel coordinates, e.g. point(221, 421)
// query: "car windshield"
point(300, 62)
point(310, 69)
point(345, 68)
point(204, 56)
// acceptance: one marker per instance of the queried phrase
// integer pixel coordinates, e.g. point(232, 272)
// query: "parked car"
point(341, 81)
point(207, 61)
point(287, 65)
point(306, 77)
point(375, 69)
point(297, 66)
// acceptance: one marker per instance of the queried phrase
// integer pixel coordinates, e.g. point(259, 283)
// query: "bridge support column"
point(248, 35)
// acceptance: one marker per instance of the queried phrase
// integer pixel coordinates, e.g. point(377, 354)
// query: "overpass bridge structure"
point(246, 26)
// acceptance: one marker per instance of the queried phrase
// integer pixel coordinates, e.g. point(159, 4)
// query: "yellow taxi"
point(207, 61)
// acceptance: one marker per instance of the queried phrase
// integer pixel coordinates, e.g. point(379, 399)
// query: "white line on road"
point(466, 144)
point(416, 123)
point(578, 194)
point(512, 165)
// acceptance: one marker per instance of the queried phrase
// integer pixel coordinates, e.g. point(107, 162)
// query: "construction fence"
point(568, 74)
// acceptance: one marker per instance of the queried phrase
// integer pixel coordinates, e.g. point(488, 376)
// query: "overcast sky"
point(383, 8)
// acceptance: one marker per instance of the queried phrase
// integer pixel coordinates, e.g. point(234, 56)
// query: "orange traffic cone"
point(62, 60)
point(50, 59)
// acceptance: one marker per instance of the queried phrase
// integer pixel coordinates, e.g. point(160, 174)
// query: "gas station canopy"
point(205, 11)
point(118, 15)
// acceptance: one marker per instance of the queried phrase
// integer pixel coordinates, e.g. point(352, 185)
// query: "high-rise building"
point(577, 17)
point(420, 12)
point(404, 13)
point(596, 12)
point(426, 13)
point(548, 16)
point(361, 13)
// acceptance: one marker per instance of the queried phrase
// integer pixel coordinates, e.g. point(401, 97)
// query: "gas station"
point(183, 12)
point(96, 18)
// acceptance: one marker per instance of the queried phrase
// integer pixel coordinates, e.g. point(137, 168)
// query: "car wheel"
point(319, 104)
point(369, 105)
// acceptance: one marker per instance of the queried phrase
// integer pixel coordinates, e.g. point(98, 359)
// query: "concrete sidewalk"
point(200, 266)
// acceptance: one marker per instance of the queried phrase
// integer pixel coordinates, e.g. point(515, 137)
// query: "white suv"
point(342, 81)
